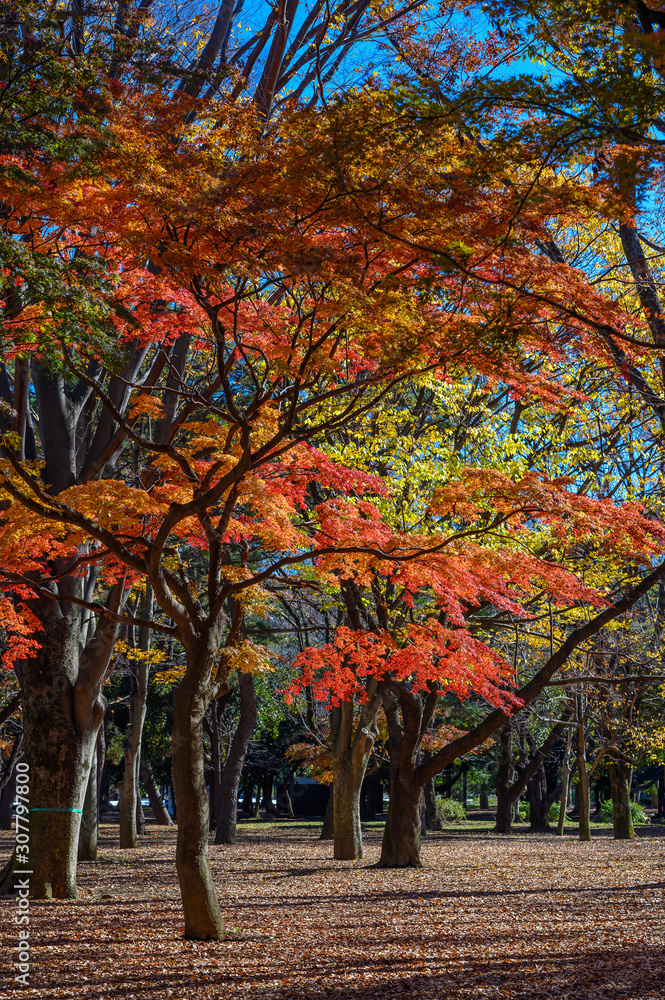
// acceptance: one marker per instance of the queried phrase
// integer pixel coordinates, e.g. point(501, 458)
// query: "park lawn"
point(527, 917)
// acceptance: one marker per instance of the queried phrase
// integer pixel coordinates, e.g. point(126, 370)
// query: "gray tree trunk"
point(227, 782)
point(622, 819)
point(129, 805)
point(582, 774)
point(328, 828)
point(62, 710)
point(203, 917)
point(87, 849)
point(352, 746)
point(7, 796)
point(160, 811)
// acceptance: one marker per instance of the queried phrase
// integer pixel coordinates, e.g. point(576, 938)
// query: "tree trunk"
point(582, 776)
point(87, 849)
point(266, 798)
point(102, 773)
point(140, 815)
point(539, 803)
point(504, 801)
point(401, 835)
point(203, 918)
point(565, 784)
point(432, 821)
point(348, 774)
point(129, 805)
point(160, 811)
point(284, 800)
point(352, 745)
point(328, 828)
point(227, 782)
point(622, 819)
point(60, 723)
point(174, 804)
point(247, 797)
point(8, 794)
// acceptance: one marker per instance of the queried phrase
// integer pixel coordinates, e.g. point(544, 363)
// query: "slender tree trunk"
point(129, 805)
point(284, 801)
point(582, 775)
point(267, 785)
point(226, 790)
point(565, 784)
point(102, 773)
point(539, 803)
point(8, 794)
point(87, 849)
point(622, 819)
point(504, 801)
point(160, 811)
point(328, 828)
point(203, 918)
point(247, 797)
point(140, 815)
point(174, 804)
point(432, 821)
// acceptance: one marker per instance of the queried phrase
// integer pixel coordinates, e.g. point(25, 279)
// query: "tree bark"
point(140, 815)
point(62, 710)
point(504, 800)
point(7, 796)
point(401, 835)
point(129, 805)
point(582, 775)
point(348, 771)
point(622, 819)
point(328, 828)
point(102, 772)
point(160, 811)
point(247, 797)
point(203, 917)
point(400, 847)
point(87, 849)
point(352, 745)
point(432, 821)
point(539, 800)
point(565, 784)
point(227, 782)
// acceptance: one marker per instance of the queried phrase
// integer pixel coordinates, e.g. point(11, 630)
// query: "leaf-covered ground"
point(526, 917)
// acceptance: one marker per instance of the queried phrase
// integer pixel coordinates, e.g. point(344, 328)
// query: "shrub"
point(604, 814)
point(553, 814)
point(449, 810)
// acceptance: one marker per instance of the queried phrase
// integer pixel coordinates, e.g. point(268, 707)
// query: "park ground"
point(526, 917)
